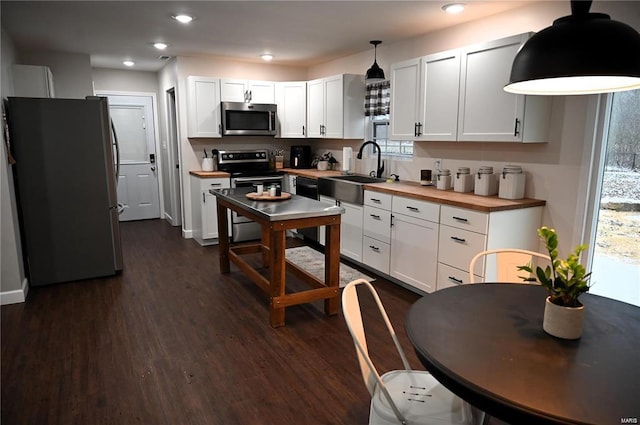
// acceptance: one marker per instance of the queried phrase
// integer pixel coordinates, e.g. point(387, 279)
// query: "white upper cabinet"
point(405, 104)
point(488, 113)
point(335, 107)
point(203, 107)
point(33, 81)
point(291, 98)
point(458, 95)
point(424, 97)
point(234, 90)
point(440, 88)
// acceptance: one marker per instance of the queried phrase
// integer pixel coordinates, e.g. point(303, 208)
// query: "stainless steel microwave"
point(248, 119)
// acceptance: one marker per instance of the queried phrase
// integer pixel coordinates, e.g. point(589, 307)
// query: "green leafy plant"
point(565, 280)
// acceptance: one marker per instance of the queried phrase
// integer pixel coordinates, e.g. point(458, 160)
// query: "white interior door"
point(138, 191)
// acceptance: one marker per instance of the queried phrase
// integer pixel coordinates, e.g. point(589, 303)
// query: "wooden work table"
point(275, 218)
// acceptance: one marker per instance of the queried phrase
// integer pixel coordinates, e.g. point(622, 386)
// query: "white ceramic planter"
point(323, 165)
point(563, 322)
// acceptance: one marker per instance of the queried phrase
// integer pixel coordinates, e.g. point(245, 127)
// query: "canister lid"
point(485, 169)
point(464, 170)
point(444, 172)
point(512, 169)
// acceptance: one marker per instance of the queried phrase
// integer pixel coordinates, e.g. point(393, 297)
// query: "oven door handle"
point(256, 180)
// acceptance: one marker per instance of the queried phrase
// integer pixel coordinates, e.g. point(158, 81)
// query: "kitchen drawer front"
point(214, 183)
point(450, 276)
point(377, 224)
point(377, 199)
point(419, 209)
point(457, 247)
point(463, 218)
point(375, 254)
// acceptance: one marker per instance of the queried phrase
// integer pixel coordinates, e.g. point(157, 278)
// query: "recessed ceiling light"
point(266, 57)
point(128, 63)
point(453, 8)
point(160, 46)
point(184, 19)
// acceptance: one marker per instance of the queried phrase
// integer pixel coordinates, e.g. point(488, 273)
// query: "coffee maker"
point(300, 156)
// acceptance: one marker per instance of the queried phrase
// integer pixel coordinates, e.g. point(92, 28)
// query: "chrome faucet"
point(380, 166)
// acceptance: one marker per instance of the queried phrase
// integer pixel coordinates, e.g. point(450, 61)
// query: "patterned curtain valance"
point(377, 99)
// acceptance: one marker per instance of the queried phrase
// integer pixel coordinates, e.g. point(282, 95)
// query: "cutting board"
point(258, 197)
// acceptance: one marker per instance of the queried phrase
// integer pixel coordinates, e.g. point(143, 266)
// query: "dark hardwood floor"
point(172, 341)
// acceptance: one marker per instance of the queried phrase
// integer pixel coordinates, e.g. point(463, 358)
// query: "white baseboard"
point(15, 297)
point(187, 234)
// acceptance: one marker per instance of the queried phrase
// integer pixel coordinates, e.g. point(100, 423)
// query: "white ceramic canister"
point(486, 183)
point(511, 182)
point(207, 164)
point(443, 179)
point(463, 182)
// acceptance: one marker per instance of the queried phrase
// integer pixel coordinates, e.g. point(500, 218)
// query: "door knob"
point(153, 168)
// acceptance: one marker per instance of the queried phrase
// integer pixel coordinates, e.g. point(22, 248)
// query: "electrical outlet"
point(437, 164)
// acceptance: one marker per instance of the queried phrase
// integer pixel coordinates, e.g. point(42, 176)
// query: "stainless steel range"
point(247, 168)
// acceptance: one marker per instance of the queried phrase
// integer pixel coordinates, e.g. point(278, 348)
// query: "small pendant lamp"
point(583, 53)
point(375, 73)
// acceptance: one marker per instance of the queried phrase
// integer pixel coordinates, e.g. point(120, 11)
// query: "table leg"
point(223, 238)
point(266, 236)
point(332, 266)
point(277, 264)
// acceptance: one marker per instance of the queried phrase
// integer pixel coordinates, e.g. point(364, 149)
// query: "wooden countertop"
point(416, 191)
point(430, 193)
point(199, 173)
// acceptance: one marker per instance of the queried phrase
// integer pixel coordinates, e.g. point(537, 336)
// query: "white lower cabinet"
point(464, 233)
point(204, 208)
point(414, 243)
point(350, 229)
point(376, 254)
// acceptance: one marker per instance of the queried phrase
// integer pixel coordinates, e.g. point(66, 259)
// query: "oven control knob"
point(230, 156)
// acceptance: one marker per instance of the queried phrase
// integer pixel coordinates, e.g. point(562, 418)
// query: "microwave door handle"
point(271, 120)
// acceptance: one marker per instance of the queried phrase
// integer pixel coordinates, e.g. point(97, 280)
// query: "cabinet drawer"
point(450, 276)
point(457, 247)
point(463, 218)
point(214, 183)
point(414, 208)
point(377, 224)
point(376, 254)
point(377, 199)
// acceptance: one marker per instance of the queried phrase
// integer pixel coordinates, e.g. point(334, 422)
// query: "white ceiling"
point(300, 33)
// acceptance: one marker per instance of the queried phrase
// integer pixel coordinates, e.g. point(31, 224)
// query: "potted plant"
point(565, 281)
point(324, 162)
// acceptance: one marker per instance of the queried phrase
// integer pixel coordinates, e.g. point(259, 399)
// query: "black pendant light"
point(375, 73)
point(583, 53)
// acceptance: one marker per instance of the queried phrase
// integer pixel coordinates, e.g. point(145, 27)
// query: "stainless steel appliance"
point(247, 168)
point(308, 188)
point(65, 181)
point(248, 119)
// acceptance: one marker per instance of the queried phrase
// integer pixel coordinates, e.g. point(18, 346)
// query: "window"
point(616, 253)
point(380, 135)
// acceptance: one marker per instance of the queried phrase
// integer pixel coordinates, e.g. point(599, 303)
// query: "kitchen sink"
point(346, 188)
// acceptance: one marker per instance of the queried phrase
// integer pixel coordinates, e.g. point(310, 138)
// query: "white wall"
point(13, 284)
point(124, 80)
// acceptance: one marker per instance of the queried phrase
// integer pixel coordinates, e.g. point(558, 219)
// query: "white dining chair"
point(504, 263)
point(402, 396)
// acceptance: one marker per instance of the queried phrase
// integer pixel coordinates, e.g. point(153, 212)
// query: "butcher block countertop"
point(209, 173)
point(430, 193)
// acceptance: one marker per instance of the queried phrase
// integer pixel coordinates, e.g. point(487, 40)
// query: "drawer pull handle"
point(375, 217)
point(457, 239)
point(377, 201)
point(459, 281)
point(460, 219)
point(412, 208)
point(216, 184)
point(375, 248)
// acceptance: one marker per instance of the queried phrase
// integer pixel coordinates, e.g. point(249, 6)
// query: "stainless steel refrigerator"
point(65, 181)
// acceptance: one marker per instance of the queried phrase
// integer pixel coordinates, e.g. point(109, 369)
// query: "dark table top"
point(485, 342)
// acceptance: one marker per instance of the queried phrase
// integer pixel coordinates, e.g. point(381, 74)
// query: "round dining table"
point(485, 343)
